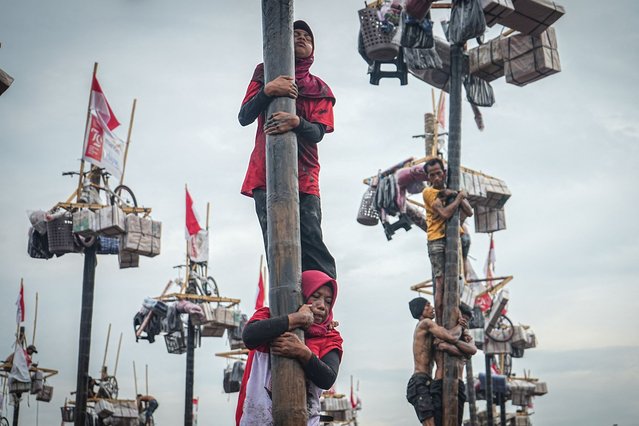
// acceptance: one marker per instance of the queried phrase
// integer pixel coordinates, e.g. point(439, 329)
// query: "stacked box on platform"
point(521, 392)
point(104, 408)
point(486, 60)
point(497, 193)
point(522, 421)
point(489, 220)
point(524, 337)
point(221, 319)
point(37, 382)
point(125, 413)
point(493, 347)
point(494, 10)
point(143, 236)
point(18, 387)
point(528, 58)
point(541, 388)
point(84, 222)
point(532, 16)
point(110, 221)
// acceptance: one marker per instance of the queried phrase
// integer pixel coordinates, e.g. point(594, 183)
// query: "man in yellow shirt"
point(437, 213)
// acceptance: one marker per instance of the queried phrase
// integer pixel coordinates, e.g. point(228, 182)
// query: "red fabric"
point(441, 110)
point(192, 224)
point(242, 395)
point(313, 109)
point(111, 121)
point(20, 304)
point(259, 301)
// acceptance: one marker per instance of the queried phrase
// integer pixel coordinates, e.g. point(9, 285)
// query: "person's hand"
point(281, 122)
point(462, 194)
point(332, 325)
point(467, 338)
point(290, 346)
point(303, 318)
point(281, 86)
point(462, 321)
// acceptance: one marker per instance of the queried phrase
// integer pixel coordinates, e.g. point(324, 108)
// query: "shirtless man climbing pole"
point(463, 349)
point(418, 389)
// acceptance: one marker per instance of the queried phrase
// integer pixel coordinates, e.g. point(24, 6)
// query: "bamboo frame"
point(5, 369)
point(72, 206)
point(238, 354)
point(128, 141)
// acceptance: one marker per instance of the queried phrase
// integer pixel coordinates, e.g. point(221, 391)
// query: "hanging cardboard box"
point(126, 259)
point(533, 16)
point(494, 10)
point(497, 193)
point(489, 220)
point(472, 184)
point(486, 60)
point(493, 347)
point(110, 221)
point(530, 58)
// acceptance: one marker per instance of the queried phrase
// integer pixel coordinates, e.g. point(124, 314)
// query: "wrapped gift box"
point(124, 412)
point(208, 317)
point(19, 387)
point(489, 220)
point(522, 420)
point(142, 236)
point(492, 347)
point(530, 58)
point(494, 10)
point(84, 222)
point(224, 316)
point(110, 221)
point(532, 16)
point(486, 60)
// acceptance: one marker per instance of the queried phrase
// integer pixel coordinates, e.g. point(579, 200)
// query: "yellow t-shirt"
point(436, 225)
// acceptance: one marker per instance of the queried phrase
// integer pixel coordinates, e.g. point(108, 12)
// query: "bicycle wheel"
point(123, 196)
point(503, 330)
point(210, 283)
point(109, 387)
point(4, 421)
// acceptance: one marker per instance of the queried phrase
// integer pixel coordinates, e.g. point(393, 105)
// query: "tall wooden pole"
point(35, 321)
point(282, 206)
point(128, 140)
point(451, 275)
point(190, 367)
point(472, 398)
point(84, 349)
point(106, 346)
point(117, 357)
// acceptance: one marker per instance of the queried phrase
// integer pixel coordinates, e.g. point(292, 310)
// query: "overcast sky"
point(566, 146)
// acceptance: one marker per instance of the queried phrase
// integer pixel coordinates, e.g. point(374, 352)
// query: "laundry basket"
point(377, 44)
point(60, 234)
point(367, 215)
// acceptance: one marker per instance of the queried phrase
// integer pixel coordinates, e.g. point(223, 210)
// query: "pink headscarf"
point(311, 282)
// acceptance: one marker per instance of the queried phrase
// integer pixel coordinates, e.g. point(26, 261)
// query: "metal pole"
point(502, 408)
point(472, 398)
point(489, 391)
point(282, 205)
point(451, 274)
point(84, 350)
point(16, 409)
point(190, 358)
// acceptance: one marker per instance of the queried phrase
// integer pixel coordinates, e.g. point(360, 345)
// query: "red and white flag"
point(489, 267)
point(441, 110)
point(102, 147)
point(20, 305)
point(261, 292)
point(197, 237)
point(100, 106)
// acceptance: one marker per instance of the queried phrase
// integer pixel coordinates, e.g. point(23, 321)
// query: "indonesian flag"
point(197, 237)
point(259, 300)
point(20, 305)
point(102, 147)
point(100, 106)
point(441, 110)
point(489, 268)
